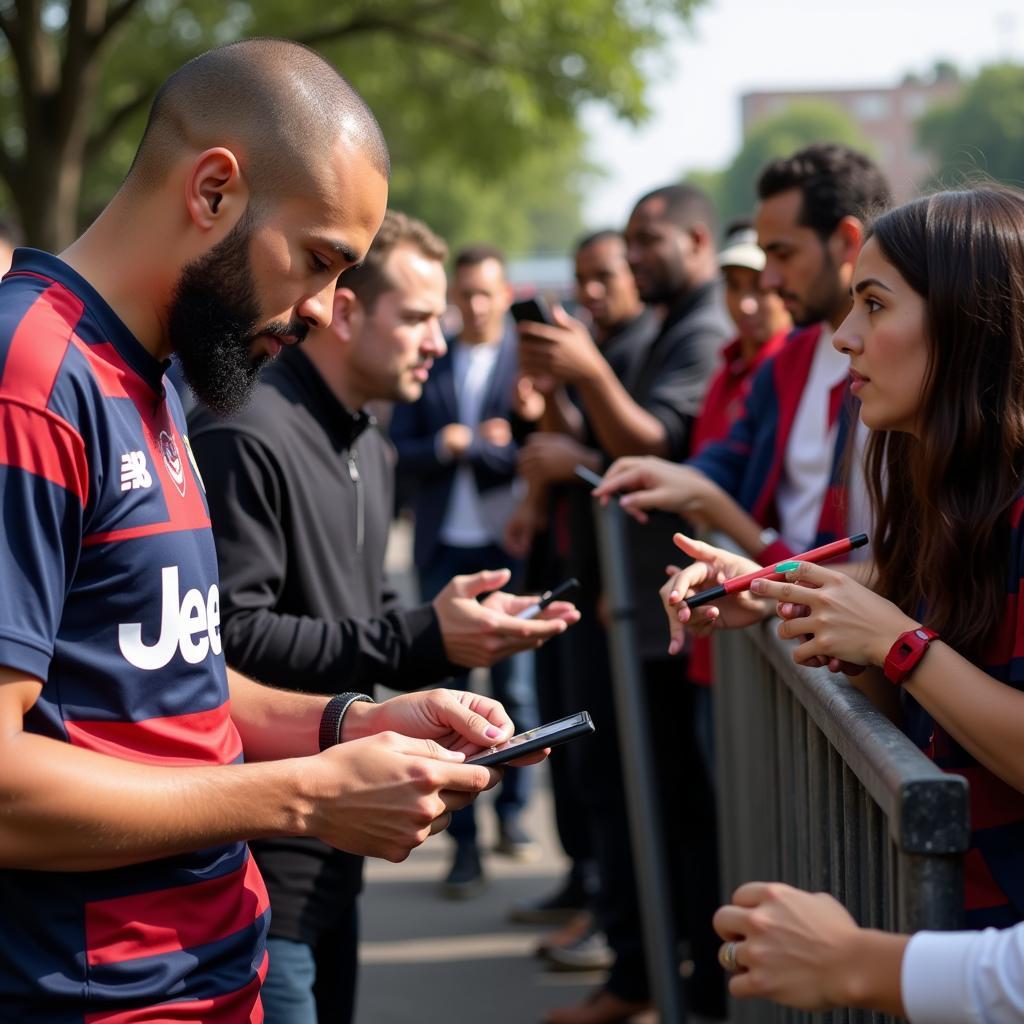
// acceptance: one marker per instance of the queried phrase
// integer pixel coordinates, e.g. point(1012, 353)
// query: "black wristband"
point(334, 715)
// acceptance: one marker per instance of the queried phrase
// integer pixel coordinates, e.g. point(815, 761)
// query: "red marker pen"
point(740, 583)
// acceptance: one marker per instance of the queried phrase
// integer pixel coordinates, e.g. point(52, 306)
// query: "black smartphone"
point(588, 476)
point(549, 735)
point(554, 594)
point(534, 311)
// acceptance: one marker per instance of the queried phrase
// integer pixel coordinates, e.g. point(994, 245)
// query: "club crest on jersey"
point(172, 460)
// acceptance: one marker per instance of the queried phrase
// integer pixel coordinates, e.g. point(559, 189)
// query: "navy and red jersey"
point(994, 864)
point(108, 594)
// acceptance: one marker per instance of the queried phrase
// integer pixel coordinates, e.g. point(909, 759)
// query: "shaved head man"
point(263, 175)
point(134, 764)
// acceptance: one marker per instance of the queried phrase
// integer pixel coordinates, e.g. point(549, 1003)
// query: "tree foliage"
point(471, 95)
point(982, 131)
point(799, 124)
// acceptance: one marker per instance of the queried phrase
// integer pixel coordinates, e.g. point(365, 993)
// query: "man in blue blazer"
point(456, 455)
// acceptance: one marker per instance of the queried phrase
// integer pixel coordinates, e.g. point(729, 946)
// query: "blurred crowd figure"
point(457, 455)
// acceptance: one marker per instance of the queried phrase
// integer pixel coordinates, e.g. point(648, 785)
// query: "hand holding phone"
point(549, 735)
point(533, 311)
point(588, 476)
point(547, 597)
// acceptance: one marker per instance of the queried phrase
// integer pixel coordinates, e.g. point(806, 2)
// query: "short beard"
point(214, 319)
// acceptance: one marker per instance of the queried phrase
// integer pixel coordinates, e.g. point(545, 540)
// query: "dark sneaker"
point(590, 952)
point(576, 928)
point(466, 876)
point(558, 908)
point(515, 842)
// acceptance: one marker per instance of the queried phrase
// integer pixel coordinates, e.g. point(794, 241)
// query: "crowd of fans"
point(829, 366)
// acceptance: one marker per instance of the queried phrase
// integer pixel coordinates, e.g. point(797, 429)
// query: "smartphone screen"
point(534, 311)
point(549, 735)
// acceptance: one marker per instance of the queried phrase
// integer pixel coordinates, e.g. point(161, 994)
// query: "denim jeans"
point(287, 991)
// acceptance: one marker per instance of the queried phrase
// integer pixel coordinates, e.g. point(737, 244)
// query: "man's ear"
point(846, 240)
point(703, 237)
point(216, 194)
point(349, 314)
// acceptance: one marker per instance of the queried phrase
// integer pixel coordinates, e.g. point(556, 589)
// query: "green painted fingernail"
point(787, 566)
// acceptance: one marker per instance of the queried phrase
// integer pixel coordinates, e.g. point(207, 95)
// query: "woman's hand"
point(840, 623)
point(711, 567)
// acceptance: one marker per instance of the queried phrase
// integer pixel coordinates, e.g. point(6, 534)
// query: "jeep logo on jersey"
point(172, 460)
point(193, 627)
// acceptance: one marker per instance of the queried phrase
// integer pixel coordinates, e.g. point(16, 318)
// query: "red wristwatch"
point(908, 650)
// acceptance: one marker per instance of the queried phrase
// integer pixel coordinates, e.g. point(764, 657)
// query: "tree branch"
point(405, 23)
point(116, 15)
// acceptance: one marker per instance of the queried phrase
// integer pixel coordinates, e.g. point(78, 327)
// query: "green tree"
point(465, 91)
point(798, 125)
point(983, 130)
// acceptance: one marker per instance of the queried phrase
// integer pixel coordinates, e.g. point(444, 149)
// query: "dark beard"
point(214, 320)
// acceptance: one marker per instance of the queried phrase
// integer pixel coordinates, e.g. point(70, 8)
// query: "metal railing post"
point(645, 826)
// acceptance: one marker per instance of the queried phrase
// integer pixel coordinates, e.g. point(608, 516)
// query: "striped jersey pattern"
point(994, 864)
point(108, 594)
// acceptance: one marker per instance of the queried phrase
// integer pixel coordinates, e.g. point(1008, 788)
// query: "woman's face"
point(885, 338)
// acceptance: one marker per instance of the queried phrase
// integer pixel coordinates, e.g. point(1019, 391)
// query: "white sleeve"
point(965, 977)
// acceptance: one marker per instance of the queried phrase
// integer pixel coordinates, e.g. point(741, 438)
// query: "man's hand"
point(551, 458)
point(529, 401)
point(565, 351)
point(453, 718)
point(457, 720)
point(496, 431)
point(455, 439)
point(384, 795)
point(480, 633)
point(804, 950)
point(646, 482)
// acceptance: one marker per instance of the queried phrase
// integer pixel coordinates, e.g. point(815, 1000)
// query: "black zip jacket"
point(300, 492)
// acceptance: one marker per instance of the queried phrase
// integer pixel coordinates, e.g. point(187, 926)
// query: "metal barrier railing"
point(815, 788)
point(819, 789)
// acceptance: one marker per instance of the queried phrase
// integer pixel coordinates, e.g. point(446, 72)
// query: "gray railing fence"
point(815, 788)
point(818, 789)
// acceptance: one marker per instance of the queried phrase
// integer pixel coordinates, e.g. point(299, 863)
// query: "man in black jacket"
point(301, 508)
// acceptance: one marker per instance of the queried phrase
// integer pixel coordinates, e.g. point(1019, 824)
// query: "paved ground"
point(427, 959)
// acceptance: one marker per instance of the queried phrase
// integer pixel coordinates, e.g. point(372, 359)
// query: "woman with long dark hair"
point(936, 346)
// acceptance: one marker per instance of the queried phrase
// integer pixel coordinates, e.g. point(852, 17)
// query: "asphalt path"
point(427, 959)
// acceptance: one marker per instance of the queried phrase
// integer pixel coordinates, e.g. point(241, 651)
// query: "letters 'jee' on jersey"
point(108, 593)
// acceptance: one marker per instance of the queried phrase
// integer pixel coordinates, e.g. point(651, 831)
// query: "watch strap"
point(334, 714)
point(910, 647)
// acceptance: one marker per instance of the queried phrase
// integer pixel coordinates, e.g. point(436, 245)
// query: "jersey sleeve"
point(44, 489)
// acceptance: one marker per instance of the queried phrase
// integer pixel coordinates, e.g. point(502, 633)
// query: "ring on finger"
point(727, 957)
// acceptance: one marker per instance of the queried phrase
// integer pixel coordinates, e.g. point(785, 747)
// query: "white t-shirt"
point(807, 464)
point(473, 367)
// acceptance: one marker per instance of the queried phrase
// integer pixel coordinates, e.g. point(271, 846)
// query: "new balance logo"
point(134, 473)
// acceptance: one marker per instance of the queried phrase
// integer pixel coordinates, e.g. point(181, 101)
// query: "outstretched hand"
point(646, 482)
point(480, 633)
point(711, 566)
